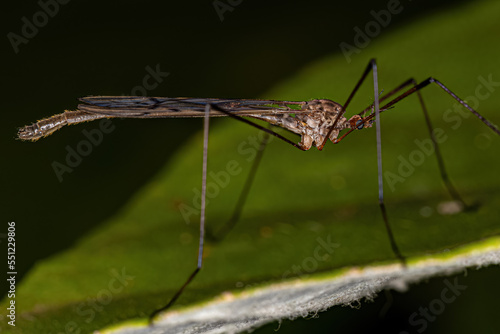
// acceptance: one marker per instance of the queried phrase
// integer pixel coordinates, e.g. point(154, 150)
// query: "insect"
point(316, 121)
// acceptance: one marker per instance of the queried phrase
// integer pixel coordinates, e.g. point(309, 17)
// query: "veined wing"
point(98, 107)
point(164, 107)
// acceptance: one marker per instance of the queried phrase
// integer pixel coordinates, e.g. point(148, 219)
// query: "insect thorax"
point(313, 125)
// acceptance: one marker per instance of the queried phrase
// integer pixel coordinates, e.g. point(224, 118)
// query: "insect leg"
point(346, 104)
point(266, 130)
point(447, 90)
point(442, 169)
point(228, 226)
point(202, 218)
point(394, 246)
point(370, 107)
point(372, 67)
point(444, 175)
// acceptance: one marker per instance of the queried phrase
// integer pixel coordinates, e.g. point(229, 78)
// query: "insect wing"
point(162, 107)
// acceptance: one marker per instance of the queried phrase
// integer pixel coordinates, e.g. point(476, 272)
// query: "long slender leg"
point(372, 66)
point(388, 95)
point(202, 218)
point(416, 88)
point(370, 107)
point(228, 226)
point(444, 175)
point(447, 90)
point(341, 113)
point(375, 106)
point(266, 130)
point(442, 169)
point(394, 246)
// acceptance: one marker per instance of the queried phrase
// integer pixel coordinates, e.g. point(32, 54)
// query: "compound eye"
point(360, 124)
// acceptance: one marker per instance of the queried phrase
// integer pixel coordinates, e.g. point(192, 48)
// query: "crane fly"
point(316, 121)
point(310, 119)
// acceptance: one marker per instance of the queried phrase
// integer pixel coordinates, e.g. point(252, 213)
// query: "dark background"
point(103, 48)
